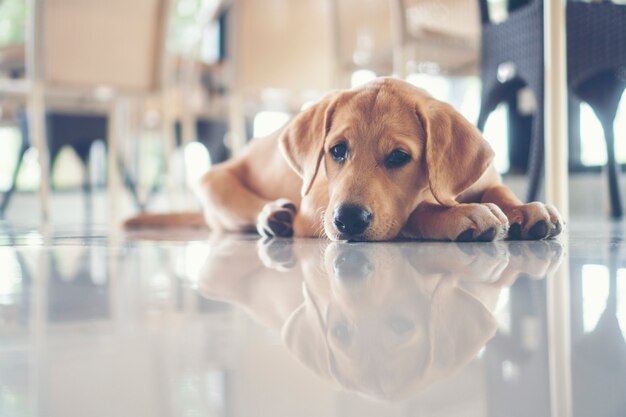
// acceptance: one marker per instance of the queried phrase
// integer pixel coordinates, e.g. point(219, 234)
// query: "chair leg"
point(482, 118)
point(130, 184)
point(115, 120)
point(37, 128)
point(612, 170)
point(11, 190)
point(169, 145)
point(536, 159)
point(87, 192)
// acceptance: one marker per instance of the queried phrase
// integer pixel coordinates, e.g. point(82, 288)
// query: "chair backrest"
point(118, 43)
point(363, 34)
point(596, 40)
point(450, 18)
point(283, 44)
point(443, 35)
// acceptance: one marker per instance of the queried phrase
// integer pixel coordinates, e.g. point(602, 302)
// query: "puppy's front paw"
point(479, 223)
point(534, 221)
point(276, 219)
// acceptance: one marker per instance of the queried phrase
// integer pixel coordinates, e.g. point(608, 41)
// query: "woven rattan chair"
point(511, 58)
point(596, 65)
point(596, 71)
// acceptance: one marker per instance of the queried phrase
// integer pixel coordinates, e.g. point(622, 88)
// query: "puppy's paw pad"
point(488, 235)
point(276, 219)
point(534, 221)
point(466, 236)
point(558, 228)
point(515, 231)
point(556, 220)
point(539, 230)
point(486, 223)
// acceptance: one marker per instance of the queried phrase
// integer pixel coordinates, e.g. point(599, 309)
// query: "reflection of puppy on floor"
point(384, 320)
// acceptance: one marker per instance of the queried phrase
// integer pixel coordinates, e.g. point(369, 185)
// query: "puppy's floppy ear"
point(302, 141)
point(456, 153)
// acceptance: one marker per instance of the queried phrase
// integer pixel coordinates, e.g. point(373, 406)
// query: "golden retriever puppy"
point(378, 162)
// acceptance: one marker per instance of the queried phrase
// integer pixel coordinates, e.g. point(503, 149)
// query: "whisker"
point(320, 233)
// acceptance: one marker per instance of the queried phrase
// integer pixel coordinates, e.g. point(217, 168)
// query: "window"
point(267, 122)
point(12, 20)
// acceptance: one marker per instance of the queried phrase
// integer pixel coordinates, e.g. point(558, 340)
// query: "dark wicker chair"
point(517, 43)
point(596, 71)
point(596, 62)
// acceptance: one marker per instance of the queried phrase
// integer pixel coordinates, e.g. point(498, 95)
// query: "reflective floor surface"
point(185, 324)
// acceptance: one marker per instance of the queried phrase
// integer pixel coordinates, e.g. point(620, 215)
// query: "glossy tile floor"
point(184, 324)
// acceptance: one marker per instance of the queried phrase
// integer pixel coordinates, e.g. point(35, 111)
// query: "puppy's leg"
point(227, 203)
point(528, 221)
point(462, 222)
point(230, 205)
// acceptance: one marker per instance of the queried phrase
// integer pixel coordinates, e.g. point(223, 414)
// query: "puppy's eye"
point(339, 152)
point(396, 159)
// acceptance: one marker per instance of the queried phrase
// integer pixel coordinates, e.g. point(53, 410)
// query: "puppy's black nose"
point(351, 219)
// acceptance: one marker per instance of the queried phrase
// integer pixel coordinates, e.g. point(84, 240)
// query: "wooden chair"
point(91, 56)
point(439, 36)
point(362, 38)
point(291, 56)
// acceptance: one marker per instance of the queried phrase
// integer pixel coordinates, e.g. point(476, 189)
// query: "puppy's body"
point(373, 163)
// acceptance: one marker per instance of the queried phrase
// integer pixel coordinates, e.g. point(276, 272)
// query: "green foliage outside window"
point(12, 21)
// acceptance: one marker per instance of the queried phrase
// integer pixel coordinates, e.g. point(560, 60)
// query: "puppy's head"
point(384, 148)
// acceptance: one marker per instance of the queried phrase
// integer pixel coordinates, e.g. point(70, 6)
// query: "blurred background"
point(109, 108)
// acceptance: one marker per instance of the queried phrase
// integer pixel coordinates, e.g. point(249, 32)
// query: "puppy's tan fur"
point(288, 183)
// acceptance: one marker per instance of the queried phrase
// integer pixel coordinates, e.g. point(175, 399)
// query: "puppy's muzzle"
point(351, 220)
